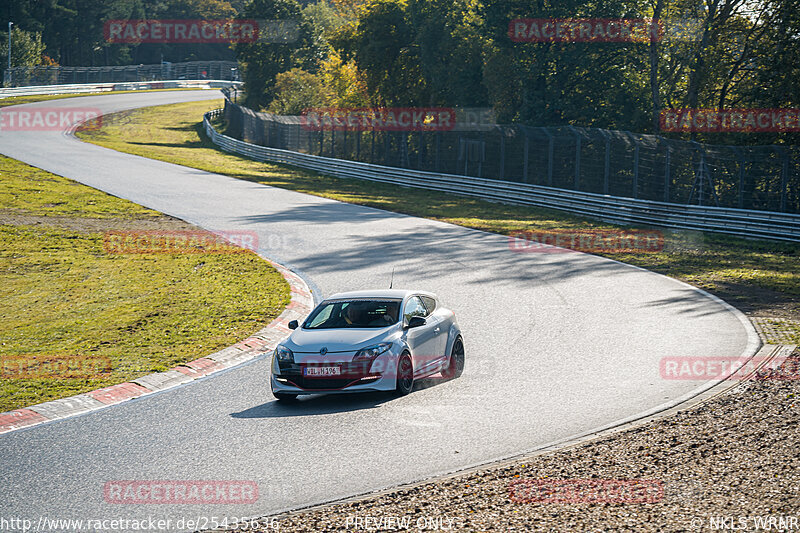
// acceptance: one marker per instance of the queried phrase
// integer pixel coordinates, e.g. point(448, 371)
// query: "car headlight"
point(373, 351)
point(284, 354)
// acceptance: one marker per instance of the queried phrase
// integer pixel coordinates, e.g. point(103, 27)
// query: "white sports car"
point(368, 341)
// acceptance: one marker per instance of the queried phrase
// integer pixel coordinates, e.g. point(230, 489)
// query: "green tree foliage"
point(383, 48)
point(713, 53)
point(26, 48)
point(335, 84)
point(449, 40)
point(774, 63)
point(262, 62)
point(417, 52)
point(325, 19)
point(343, 82)
point(297, 90)
point(585, 83)
point(729, 53)
point(72, 30)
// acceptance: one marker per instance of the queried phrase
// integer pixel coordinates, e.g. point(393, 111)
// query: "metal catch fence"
point(190, 70)
point(615, 163)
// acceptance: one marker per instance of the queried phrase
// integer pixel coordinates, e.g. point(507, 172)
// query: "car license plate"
point(322, 371)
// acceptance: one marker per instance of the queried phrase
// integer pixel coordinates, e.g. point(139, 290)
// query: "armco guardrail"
point(740, 222)
point(119, 86)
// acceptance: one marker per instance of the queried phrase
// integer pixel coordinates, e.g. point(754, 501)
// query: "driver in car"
point(352, 317)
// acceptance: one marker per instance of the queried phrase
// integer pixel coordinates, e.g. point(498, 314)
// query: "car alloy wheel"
point(405, 375)
point(455, 367)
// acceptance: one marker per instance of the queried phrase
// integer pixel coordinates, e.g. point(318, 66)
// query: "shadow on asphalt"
point(438, 250)
point(689, 301)
point(326, 404)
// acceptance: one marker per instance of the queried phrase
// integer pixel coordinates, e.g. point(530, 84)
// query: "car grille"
point(351, 374)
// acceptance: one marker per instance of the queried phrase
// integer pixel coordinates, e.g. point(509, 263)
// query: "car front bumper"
point(380, 376)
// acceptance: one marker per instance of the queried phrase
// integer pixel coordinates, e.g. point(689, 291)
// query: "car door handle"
point(436, 330)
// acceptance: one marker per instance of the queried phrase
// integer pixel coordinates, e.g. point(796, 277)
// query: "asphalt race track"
point(557, 344)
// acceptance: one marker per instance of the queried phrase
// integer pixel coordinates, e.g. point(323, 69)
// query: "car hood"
point(337, 340)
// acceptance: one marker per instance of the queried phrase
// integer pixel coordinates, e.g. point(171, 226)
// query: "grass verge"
point(112, 317)
point(760, 277)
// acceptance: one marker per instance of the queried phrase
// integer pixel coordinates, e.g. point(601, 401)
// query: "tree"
point(655, 96)
point(26, 48)
point(296, 90)
point(382, 45)
point(449, 41)
point(73, 29)
point(554, 83)
point(261, 62)
point(777, 67)
point(325, 20)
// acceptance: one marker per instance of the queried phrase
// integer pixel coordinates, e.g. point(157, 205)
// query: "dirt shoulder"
point(16, 217)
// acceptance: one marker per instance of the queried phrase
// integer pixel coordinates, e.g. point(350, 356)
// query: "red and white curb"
point(262, 341)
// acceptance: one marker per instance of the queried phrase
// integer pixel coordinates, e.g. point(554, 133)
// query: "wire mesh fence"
point(190, 70)
point(615, 163)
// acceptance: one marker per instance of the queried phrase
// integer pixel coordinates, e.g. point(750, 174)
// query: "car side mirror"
point(293, 324)
point(415, 322)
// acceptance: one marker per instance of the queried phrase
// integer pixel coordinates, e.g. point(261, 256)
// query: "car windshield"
point(354, 314)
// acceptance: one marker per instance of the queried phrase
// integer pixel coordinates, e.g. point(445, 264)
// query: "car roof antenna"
point(391, 281)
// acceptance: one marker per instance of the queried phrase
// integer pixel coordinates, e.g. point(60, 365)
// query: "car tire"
point(285, 397)
point(455, 367)
point(405, 375)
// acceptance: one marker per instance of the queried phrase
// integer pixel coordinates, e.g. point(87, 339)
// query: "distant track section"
point(118, 86)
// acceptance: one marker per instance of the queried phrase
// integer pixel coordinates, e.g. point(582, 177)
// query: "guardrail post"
point(667, 178)
point(525, 159)
point(463, 153)
point(502, 152)
point(635, 164)
point(607, 166)
point(784, 177)
point(701, 173)
point(264, 131)
point(549, 157)
point(419, 151)
point(742, 162)
point(577, 181)
point(481, 155)
point(438, 141)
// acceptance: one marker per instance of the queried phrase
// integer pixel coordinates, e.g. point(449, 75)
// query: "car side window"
point(430, 304)
point(414, 307)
